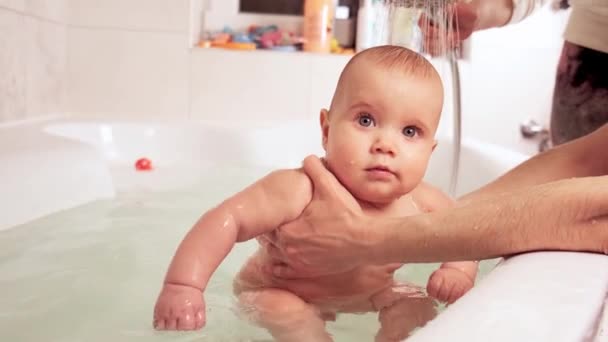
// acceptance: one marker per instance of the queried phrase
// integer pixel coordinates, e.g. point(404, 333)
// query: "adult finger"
point(322, 179)
point(325, 184)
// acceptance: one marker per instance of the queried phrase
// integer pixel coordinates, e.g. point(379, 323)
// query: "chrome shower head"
point(400, 22)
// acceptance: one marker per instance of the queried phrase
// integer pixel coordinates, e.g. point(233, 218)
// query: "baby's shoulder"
point(431, 198)
point(291, 178)
point(291, 184)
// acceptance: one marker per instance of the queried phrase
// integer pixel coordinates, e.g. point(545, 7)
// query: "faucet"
point(531, 129)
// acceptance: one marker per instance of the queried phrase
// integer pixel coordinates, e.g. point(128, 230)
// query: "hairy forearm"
point(567, 215)
point(583, 157)
point(203, 249)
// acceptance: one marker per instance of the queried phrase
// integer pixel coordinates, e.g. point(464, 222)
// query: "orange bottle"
point(318, 25)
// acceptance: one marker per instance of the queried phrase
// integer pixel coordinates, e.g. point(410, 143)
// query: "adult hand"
point(438, 37)
point(327, 238)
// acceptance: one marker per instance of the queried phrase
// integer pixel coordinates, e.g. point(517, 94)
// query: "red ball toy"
point(143, 164)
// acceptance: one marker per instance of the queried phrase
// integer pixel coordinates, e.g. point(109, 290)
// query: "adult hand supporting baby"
point(319, 242)
point(333, 235)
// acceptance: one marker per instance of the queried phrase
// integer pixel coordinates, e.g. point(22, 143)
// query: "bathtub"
point(52, 167)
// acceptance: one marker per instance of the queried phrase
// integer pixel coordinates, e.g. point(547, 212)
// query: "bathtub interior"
point(101, 263)
point(268, 145)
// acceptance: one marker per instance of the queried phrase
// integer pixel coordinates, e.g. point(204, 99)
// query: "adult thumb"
point(323, 181)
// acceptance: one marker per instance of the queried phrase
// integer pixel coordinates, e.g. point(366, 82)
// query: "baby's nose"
point(384, 145)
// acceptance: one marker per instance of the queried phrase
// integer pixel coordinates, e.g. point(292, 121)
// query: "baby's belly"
point(348, 291)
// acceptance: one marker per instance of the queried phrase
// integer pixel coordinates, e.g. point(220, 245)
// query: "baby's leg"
point(403, 308)
point(287, 317)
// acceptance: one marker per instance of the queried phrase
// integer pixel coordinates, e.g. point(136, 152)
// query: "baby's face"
point(381, 131)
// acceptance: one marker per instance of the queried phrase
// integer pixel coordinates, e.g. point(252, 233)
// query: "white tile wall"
point(121, 74)
point(129, 58)
point(250, 85)
point(146, 15)
point(17, 5)
point(197, 21)
point(53, 10)
point(325, 71)
point(33, 58)
point(12, 65)
point(46, 67)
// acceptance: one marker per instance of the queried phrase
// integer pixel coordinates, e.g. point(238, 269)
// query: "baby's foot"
point(448, 284)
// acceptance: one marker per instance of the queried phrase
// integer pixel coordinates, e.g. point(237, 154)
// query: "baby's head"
point(379, 132)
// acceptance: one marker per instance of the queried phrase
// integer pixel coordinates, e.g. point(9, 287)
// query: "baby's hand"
point(448, 284)
point(179, 307)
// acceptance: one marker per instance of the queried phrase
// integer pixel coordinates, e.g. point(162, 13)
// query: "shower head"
point(398, 22)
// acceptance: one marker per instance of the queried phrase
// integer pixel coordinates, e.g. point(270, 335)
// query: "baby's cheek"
point(408, 183)
point(341, 168)
point(342, 164)
point(416, 172)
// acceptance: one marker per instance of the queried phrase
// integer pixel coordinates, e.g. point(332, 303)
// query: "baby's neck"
point(371, 207)
point(403, 206)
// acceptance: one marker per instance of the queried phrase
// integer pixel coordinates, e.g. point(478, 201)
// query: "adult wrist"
point(402, 239)
point(367, 239)
point(374, 239)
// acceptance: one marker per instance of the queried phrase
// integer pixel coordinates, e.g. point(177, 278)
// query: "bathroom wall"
point(129, 58)
point(133, 59)
point(506, 79)
point(510, 76)
point(33, 58)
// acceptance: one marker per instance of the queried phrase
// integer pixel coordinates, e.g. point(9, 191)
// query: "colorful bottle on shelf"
point(318, 25)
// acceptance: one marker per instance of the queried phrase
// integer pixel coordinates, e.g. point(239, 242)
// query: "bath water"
point(92, 273)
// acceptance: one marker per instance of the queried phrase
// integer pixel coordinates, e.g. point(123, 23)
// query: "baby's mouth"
point(380, 170)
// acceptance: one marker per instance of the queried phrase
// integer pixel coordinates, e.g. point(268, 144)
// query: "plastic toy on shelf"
point(256, 37)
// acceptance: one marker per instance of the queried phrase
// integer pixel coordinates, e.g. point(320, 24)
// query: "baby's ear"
point(324, 121)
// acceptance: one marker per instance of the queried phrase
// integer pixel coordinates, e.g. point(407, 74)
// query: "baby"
point(378, 136)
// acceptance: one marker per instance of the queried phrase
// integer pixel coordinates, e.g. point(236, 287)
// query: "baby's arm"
point(275, 199)
point(453, 279)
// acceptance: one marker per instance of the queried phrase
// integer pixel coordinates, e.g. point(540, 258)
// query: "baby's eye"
point(410, 131)
point(365, 120)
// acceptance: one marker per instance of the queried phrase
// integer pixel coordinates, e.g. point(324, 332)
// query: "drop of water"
point(229, 218)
